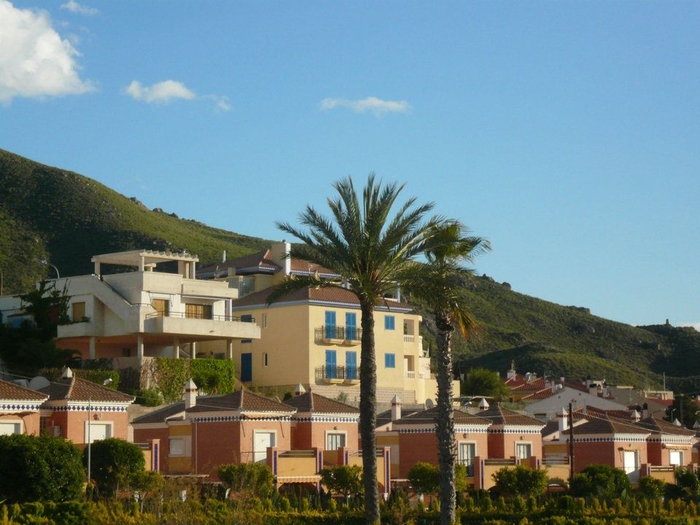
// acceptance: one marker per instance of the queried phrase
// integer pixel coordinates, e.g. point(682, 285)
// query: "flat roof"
point(149, 258)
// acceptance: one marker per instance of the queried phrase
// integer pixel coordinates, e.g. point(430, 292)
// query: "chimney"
point(563, 422)
point(395, 408)
point(483, 404)
point(279, 252)
point(299, 389)
point(67, 373)
point(190, 394)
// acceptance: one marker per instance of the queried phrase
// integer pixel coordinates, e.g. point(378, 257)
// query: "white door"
point(9, 428)
point(629, 463)
point(261, 441)
point(98, 432)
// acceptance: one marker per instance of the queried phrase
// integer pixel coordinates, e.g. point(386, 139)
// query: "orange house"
point(201, 433)
point(513, 435)
point(418, 441)
point(668, 444)
point(19, 409)
point(323, 423)
point(84, 412)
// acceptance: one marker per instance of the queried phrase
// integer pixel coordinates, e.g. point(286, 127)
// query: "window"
point(180, 446)
point(198, 311)
point(676, 458)
point(162, 306)
point(78, 311)
point(351, 326)
point(389, 322)
point(265, 359)
point(247, 367)
point(246, 318)
point(350, 365)
point(389, 360)
point(7, 429)
point(261, 442)
point(330, 325)
point(335, 440)
point(523, 450)
point(97, 431)
point(264, 320)
point(331, 370)
point(467, 453)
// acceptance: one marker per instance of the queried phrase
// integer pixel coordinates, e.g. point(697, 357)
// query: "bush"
point(601, 481)
point(424, 477)
point(521, 480)
point(247, 478)
point(113, 463)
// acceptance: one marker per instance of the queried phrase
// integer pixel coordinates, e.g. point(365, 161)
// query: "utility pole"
point(571, 444)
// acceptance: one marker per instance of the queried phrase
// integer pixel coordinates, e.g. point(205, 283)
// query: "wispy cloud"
point(75, 7)
point(373, 105)
point(35, 62)
point(162, 92)
point(169, 90)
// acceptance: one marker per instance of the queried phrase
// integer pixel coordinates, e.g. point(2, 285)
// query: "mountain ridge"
point(63, 217)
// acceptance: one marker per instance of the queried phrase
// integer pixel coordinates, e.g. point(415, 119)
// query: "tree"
point(424, 478)
point(256, 478)
point(39, 469)
point(436, 284)
point(684, 410)
point(113, 463)
point(521, 481)
point(371, 253)
point(343, 479)
point(484, 382)
point(601, 481)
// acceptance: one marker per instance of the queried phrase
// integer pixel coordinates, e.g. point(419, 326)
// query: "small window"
point(335, 440)
point(265, 359)
point(523, 450)
point(389, 360)
point(178, 447)
point(389, 322)
point(676, 458)
point(264, 320)
point(78, 311)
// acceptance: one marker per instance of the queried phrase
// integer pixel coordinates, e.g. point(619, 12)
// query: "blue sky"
point(567, 133)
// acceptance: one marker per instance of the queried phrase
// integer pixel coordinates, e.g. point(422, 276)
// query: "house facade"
point(20, 409)
point(313, 336)
point(145, 310)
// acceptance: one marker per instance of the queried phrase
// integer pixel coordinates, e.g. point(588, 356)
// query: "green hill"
point(66, 218)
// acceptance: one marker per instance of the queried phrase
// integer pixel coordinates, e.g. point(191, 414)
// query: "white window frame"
point(519, 444)
point(462, 459)
point(109, 425)
point(679, 454)
point(17, 424)
point(263, 453)
point(330, 433)
point(182, 448)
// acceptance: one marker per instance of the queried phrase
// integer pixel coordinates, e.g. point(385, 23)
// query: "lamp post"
point(47, 263)
point(89, 433)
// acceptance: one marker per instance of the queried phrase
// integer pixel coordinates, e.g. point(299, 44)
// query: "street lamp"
point(47, 263)
point(89, 433)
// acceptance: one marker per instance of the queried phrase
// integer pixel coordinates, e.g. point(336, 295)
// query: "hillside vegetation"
point(66, 218)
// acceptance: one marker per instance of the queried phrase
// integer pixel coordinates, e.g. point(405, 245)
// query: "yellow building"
point(312, 337)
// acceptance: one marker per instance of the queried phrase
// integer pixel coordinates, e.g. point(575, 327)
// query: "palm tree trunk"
point(445, 424)
point(368, 414)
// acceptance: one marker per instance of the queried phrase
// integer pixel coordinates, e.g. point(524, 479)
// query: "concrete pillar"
point(229, 349)
point(93, 352)
point(139, 346)
point(193, 348)
point(176, 348)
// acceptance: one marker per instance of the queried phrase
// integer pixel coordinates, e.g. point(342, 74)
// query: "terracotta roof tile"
point(161, 415)
point(430, 416)
point(76, 389)
point(317, 404)
point(502, 416)
point(12, 391)
point(606, 425)
point(239, 401)
point(661, 426)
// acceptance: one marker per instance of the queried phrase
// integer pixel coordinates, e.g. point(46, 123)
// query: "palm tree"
point(371, 253)
point(436, 284)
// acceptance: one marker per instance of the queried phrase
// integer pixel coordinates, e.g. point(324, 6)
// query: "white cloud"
point(162, 92)
point(372, 104)
point(35, 62)
point(75, 7)
point(694, 325)
point(168, 90)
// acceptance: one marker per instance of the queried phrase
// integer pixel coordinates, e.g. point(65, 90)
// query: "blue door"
point(331, 368)
point(351, 326)
point(350, 365)
point(246, 367)
point(330, 325)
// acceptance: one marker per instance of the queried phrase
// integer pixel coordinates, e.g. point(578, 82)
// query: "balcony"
point(349, 375)
point(338, 335)
point(209, 326)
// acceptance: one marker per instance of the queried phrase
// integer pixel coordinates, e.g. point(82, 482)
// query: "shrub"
point(601, 481)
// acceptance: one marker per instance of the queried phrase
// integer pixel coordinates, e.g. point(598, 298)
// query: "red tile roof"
point(240, 401)
point(76, 389)
point(317, 404)
point(11, 391)
point(502, 416)
point(430, 416)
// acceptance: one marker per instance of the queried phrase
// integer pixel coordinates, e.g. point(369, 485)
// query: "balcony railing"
point(337, 373)
point(181, 315)
point(340, 333)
